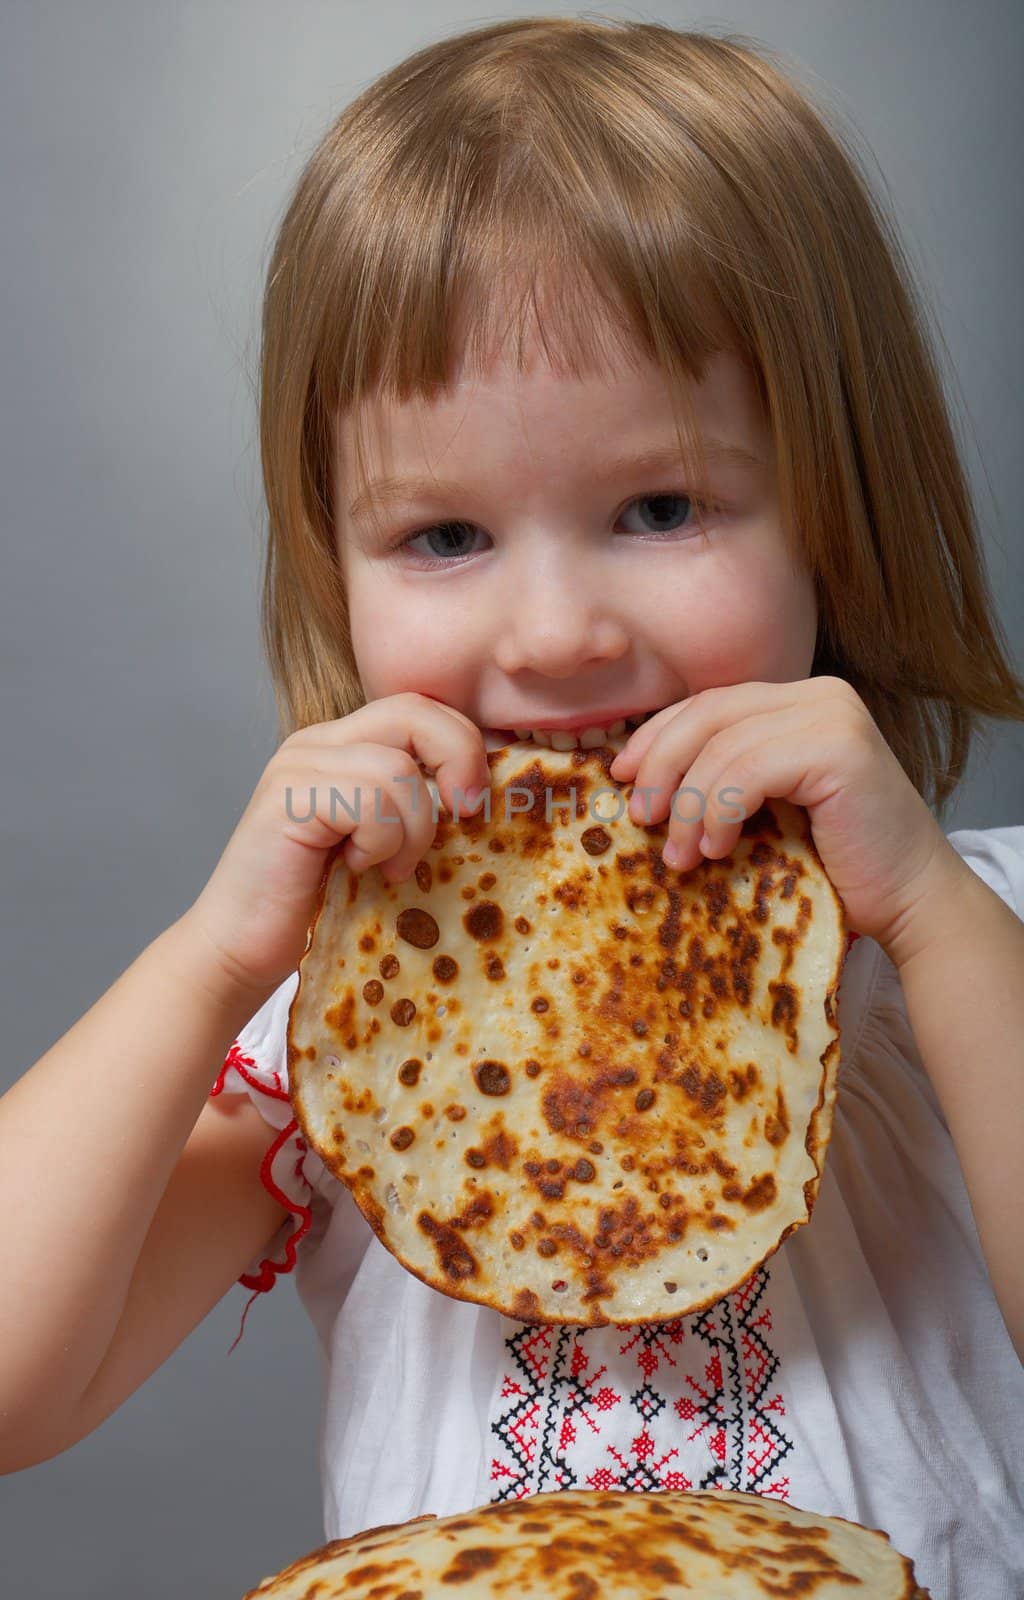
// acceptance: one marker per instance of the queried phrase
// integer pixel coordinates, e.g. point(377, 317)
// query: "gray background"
point(147, 152)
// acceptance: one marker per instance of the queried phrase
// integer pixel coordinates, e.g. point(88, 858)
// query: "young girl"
point(592, 385)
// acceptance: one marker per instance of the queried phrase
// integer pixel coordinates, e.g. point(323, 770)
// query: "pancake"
point(608, 1545)
point(560, 1078)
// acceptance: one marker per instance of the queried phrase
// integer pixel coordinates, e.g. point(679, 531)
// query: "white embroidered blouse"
point(863, 1371)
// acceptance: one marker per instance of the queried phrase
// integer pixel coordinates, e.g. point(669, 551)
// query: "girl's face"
point(544, 570)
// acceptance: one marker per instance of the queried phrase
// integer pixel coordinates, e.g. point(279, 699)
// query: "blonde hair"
point(681, 185)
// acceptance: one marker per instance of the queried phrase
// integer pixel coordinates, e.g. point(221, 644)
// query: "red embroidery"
point(270, 1271)
point(246, 1068)
point(688, 1404)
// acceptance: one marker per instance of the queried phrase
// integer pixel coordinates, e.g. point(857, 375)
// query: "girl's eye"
point(445, 539)
point(448, 536)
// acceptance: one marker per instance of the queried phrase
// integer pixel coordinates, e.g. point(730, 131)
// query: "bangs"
point(573, 326)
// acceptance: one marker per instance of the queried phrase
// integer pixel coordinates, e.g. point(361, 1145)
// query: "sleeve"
point(257, 1065)
point(996, 855)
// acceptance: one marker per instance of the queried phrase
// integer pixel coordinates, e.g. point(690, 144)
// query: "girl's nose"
point(558, 627)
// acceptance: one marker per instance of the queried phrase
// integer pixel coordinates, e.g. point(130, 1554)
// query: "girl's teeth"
point(587, 739)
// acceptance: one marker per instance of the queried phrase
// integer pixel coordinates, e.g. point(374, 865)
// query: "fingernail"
point(671, 855)
point(473, 795)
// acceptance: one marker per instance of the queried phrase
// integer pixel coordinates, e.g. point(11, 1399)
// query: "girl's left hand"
point(814, 743)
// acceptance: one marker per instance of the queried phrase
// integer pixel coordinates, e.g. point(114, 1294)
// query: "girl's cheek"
point(419, 649)
point(752, 620)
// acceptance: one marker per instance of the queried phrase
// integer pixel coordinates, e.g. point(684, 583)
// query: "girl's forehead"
point(485, 404)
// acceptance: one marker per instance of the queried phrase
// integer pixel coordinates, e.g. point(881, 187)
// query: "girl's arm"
point(961, 965)
point(91, 1136)
point(90, 1140)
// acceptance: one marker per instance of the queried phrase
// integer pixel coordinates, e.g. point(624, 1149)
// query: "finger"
point(420, 821)
point(771, 756)
point(716, 715)
point(440, 739)
point(640, 740)
point(703, 713)
point(397, 833)
point(373, 798)
point(706, 815)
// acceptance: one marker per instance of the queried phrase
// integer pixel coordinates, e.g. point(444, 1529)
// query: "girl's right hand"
point(254, 914)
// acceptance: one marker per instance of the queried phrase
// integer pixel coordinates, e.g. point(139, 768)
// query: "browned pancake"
point(601, 1545)
point(560, 1078)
